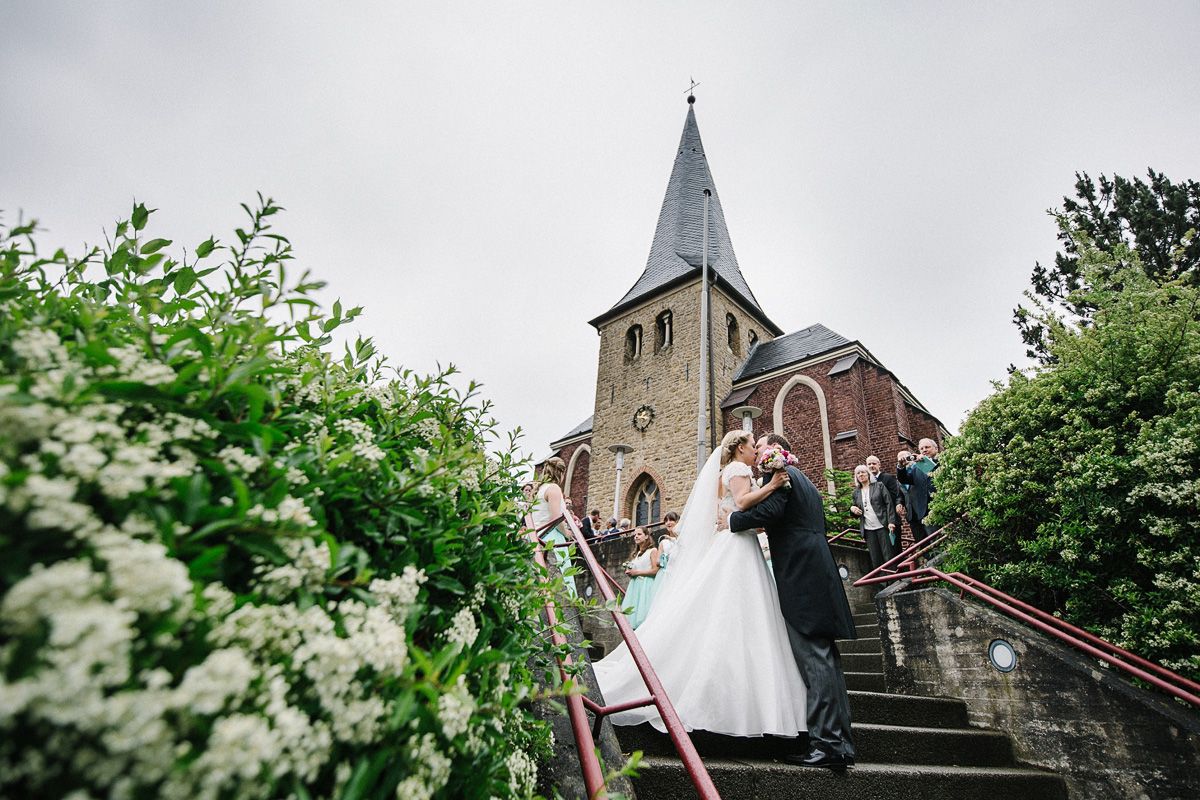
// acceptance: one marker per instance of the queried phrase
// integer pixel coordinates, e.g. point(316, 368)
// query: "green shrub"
point(233, 565)
point(1081, 481)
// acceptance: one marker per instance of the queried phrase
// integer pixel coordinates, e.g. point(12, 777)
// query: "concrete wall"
point(1106, 737)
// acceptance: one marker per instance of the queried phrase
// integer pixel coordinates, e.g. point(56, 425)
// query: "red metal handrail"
point(1156, 675)
point(585, 738)
point(838, 536)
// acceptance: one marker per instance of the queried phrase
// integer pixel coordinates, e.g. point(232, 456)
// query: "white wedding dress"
point(715, 635)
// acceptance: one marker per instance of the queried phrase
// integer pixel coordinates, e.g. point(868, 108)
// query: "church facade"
point(636, 455)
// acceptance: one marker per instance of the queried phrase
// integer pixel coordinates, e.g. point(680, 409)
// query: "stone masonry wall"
point(666, 380)
point(578, 488)
point(1105, 736)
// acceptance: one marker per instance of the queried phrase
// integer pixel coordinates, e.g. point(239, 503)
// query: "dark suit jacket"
point(893, 486)
point(919, 491)
point(810, 589)
point(881, 501)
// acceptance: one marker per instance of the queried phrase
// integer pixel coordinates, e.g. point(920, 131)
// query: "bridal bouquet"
point(777, 458)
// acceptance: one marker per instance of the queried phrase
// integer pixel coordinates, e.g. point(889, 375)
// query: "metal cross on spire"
point(691, 90)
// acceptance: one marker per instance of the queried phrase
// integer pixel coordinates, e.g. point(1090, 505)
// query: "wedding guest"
point(920, 489)
point(888, 480)
point(591, 525)
point(625, 525)
point(928, 462)
point(570, 509)
point(642, 569)
point(666, 544)
point(874, 507)
point(549, 506)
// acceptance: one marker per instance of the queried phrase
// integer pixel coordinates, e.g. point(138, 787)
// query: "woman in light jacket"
point(876, 510)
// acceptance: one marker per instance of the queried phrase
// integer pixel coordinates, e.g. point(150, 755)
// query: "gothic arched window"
point(647, 503)
point(633, 342)
point(731, 329)
point(662, 326)
point(753, 338)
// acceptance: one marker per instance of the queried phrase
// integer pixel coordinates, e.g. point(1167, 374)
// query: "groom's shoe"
point(818, 758)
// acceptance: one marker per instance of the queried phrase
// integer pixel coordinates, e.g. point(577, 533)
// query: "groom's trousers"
point(828, 704)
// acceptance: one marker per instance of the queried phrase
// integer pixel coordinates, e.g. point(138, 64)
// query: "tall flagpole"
point(705, 328)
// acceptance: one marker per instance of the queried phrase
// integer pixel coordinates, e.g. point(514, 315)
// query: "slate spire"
point(676, 251)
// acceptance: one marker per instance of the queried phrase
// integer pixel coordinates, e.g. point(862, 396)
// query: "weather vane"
point(691, 90)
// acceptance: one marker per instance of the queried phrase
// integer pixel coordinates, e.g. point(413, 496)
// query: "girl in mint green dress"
point(641, 570)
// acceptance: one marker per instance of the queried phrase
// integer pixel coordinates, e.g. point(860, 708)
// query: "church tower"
point(647, 380)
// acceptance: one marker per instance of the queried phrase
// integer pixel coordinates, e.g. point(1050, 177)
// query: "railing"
point(844, 535)
point(585, 737)
point(904, 567)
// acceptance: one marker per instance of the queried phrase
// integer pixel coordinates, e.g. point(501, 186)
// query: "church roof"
point(578, 430)
point(676, 253)
point(805, 343)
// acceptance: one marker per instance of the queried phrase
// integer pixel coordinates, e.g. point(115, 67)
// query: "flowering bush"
point(1080, 482)
point(234, 566)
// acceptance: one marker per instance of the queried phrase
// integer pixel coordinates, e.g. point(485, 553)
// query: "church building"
point(636, 455)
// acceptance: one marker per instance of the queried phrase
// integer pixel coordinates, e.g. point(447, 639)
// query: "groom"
point(814, 607)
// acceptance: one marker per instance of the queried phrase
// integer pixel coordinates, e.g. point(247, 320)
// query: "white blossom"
point(463, 630)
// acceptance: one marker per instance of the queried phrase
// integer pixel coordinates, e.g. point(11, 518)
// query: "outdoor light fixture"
point(1002, 655)
point(844, 571)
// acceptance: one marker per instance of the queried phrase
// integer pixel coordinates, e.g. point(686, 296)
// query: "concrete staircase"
point(907, 747)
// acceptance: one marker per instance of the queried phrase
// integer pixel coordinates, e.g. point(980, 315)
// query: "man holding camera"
point(920, 489)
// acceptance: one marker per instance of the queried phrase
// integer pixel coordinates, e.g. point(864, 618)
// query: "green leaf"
point(185, 279)
point(140, 215)
point(154, 245)
point(205, 248)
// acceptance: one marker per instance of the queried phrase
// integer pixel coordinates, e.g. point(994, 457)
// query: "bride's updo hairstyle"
point(554, 470)
point(732, 441)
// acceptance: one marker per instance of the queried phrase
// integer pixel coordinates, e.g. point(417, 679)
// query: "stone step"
point(664, 778)
point(867, 618)
point(876, 744)
point(865, 681)
point(862, 662)
point(867, 644)
point(898, 709)
point(865, 632)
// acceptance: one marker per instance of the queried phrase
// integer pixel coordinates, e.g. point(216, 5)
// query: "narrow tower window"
point(663, 329)
point(633, 343)
point(731, 328)
point(753, 339)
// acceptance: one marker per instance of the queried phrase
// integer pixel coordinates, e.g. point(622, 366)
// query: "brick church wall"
point(578, 490)
point(865, 399)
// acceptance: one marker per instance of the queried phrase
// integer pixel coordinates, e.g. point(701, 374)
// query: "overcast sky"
point(485, 177)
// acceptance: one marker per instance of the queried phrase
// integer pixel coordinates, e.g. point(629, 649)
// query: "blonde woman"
point(548, 505)
point(875, 507)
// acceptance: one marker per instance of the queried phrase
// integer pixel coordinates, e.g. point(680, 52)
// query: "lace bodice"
point(733, 470)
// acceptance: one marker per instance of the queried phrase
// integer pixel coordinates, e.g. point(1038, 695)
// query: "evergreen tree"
point(1151, 218)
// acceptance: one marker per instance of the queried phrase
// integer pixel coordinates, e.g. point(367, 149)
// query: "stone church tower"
point(647, 380)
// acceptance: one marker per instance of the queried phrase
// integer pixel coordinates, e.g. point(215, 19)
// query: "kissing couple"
point(742, 652)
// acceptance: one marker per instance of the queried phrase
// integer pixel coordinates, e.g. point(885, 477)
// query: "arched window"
point(662, 327)
point(633, 342)
point(731, 329)
point(646, 503)
point(753, 338)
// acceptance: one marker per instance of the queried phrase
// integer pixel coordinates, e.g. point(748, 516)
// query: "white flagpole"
point(702, 415)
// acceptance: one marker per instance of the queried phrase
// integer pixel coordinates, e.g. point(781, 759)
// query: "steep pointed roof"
point(676, 252)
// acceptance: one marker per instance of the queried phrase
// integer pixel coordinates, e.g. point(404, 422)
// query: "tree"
point(1080, 480)
point(1151, 219)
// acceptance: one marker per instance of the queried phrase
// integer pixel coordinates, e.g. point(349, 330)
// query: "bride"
point(715, 635)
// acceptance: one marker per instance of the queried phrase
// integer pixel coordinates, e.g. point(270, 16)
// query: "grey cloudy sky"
point(485, 177)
